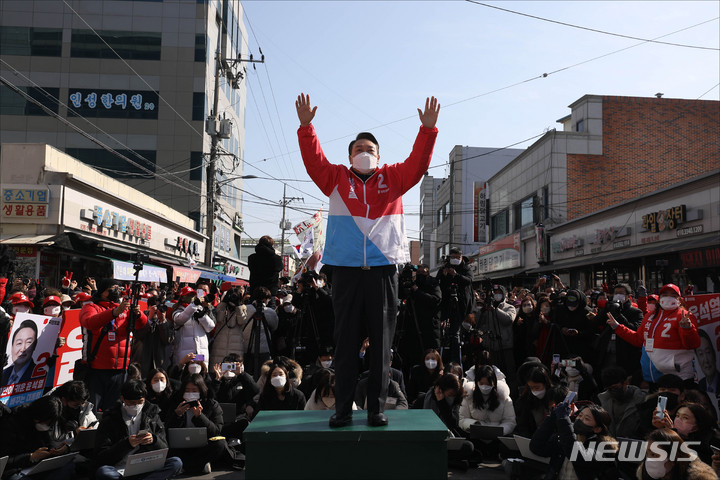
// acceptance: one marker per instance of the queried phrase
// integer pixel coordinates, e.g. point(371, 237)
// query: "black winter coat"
point(265, 266)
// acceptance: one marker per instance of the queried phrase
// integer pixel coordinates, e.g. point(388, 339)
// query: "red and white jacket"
point(111, 354)
point(671, 348)
point(366, 226)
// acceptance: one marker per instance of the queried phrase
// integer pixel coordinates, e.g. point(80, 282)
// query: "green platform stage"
point(300, 445)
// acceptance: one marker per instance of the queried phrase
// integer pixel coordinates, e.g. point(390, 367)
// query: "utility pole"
point(285, 224)
point(217, 130)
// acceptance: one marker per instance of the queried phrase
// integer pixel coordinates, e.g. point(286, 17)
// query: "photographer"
point(427, 296)
point(231, 314)
point(609, 349)
point(107, 321)
point(455, 281)
point(152, 343)
point(314, 301)
point(576, 328)
point(192, 324)
point(495, 319)
point(265, 266)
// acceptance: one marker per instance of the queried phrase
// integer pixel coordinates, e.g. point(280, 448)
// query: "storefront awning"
point(149, 273)
point(614, 256)
point(26, 239)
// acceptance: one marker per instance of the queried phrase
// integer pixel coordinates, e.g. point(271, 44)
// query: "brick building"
point(624, 159)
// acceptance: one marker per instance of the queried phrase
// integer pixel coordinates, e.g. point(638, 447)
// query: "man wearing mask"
point(131, 426)
point(457, 297)
point(610, 349)
point(314, 303)
point(621, 401)
point(496, 320)
point(365, 243)
point(426, 296)
point(107, 321)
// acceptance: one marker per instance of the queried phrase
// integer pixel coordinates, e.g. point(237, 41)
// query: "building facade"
point(139, 78)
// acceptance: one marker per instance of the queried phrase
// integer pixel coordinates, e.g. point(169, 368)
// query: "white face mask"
point(278, 382)
point(485, 389)
point(191, 396)
point(66, 307)
point(242, 368)
point(651, 307)
point(539, 393)
point(320, 283)
point(527, 308)
point(619, 297)
point(159, 387)
point(655, 468)
point(132, 410)
point(228, 374)
point(431, 363)
point(288, 308)
point(42, 427)
point(326, 363)
point(194, 368)
point(21, 309)
point(669, 303)
point(498, 297)
point(53, 311)
point(365, 163)
point(455, 261)
point(572, 371)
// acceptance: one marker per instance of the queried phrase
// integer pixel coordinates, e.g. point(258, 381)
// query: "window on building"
point(197, 172)
point(443, 213)
point(442, 252)
point(198, 109)
point(546, 202)
point(500, 224)
point(525, 212)
point(42, 42)
point(128, 45)
point(101, 103)
point(113, 165)
point(12, 103)
point(580, 126)
point(200, 48)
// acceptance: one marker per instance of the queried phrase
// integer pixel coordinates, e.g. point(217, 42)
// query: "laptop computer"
point(51, 463)
point(485, 432)
point(145, 462)
point(3, 464)
point(229, 412)
point(84, 440)
point(187, 437)
point(524, 447)
point(509, 443)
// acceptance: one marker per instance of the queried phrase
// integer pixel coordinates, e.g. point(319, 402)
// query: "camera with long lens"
point(306, 280)
point(139, 259)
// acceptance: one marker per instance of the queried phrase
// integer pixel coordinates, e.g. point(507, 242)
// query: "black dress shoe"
point(378, 419)
point(337, 421)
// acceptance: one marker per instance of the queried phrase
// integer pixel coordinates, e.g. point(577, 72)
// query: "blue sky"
point(369, 65)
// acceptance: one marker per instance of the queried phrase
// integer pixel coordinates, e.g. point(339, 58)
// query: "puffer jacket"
point(697, 470)
point(628, 423)
point(673, 346)
point(228, 332)
point(502, 416)
point(366, 225)
point(110, 355)
point(191, 333)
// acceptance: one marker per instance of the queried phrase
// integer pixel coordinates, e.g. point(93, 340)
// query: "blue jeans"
point(170, 469)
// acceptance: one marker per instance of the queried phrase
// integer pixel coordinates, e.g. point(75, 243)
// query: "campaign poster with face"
point(30, 346)
point(706, 309)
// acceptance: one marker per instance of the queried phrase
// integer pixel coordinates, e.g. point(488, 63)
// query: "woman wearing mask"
point(278, 392)
point(323, 397)
point(160, 389)
point(425, 375)
point(556, 438)
point(694, 424)
point(545, 344)
point(52, 306)
point(195, 409)
point(666, 458)
point(668, 337)
point(526, 322)
point(485, 406)
point(535, 401)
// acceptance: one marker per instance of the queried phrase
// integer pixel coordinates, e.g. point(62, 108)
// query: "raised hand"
point(429, 117)
point(305, 112)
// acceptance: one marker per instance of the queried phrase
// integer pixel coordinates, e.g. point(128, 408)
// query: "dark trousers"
point(364, 301)
point(104, 387)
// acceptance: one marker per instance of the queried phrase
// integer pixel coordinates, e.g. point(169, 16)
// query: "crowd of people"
point(478, 357)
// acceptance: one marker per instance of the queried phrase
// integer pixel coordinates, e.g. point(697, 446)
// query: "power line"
point(592, 29)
